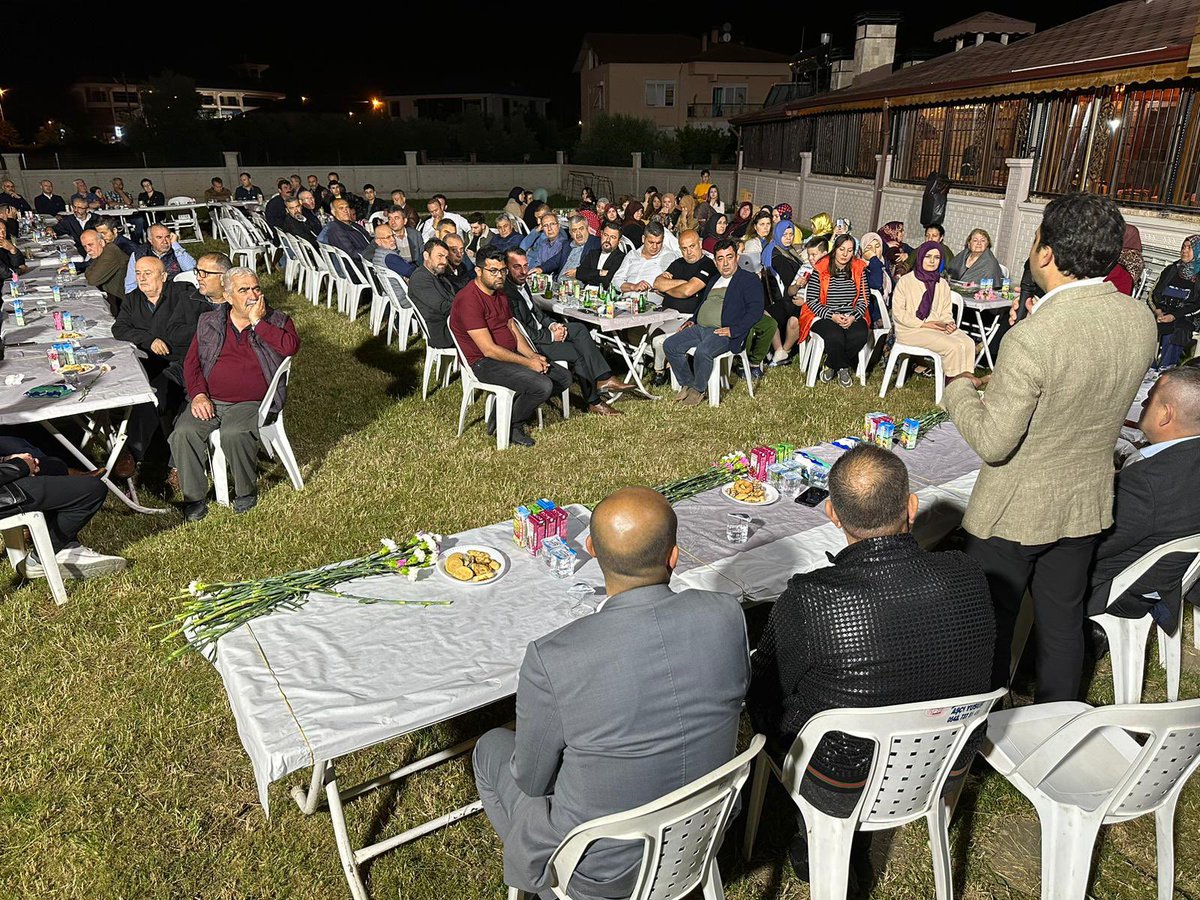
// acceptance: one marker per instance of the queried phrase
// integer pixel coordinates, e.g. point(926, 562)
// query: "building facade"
point(674, 80)
point(112, 105)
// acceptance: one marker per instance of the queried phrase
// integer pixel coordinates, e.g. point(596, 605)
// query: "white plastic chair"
point(316, 272)
point(904, 352)
point(242, 246)
point(503, 398)
point(626, 245)
point(434, 357)
point(402, 316)
point(185, 218)
point(1127, 637)
point(12, 530)
point(916, 746)
point(354, 280)
point(292, 272)
point(188, 277)
point(815, 351)
point(1081, 769)
point(376, 217)
point(272, 436)
point(722, 370)
point(682, 832)
point(566, 394)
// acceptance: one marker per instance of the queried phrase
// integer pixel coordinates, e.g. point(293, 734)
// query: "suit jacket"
point(887, 623)
point(1153, 506)
point(589, 267)
point(301, 229)
point(535, 321)
point(68, 226)
point(349, 237)
point(107, 272)
point(615, 710)
point(173, 320)
point(1048, 421)
point(432, 295)
point(393, 261)
point(743, 306)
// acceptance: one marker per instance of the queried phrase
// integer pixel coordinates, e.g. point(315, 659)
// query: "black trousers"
point(583, 355)
point(533, 389)
point(842, 345)
point(1056, 575)
point(146, 419)
point(68, 502)
point(47, 465)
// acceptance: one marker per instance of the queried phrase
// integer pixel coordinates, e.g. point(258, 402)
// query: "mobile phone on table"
point(813, 496)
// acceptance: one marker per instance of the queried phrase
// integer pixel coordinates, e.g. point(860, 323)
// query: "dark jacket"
point(68, 226)
point(172, 320)
point(275, 211)
point(589, 267)
point(887, 623)
point(302, 229)
point(210, 338)
point(743, 305)
point(348, 237)
point(432, 296)
point(154, 198)
point(107, 272)
point(1169, 297)
point(1154, 505)
point(11, 493)
point(49, 206)
point(535, 321)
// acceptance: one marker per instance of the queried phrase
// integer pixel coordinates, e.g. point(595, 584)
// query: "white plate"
point(463, 548)
point(771, 496)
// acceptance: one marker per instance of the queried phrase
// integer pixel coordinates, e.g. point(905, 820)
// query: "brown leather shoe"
point(693, 398)
point(125, 466)
point(612, 385)
point(603, 409)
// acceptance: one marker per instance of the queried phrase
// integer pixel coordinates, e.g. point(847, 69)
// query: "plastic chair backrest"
point(180, 201)
point(956, 302)
point(189, 277)
point(425, 328)
point(395, 287)
point(915, 746)
point(626, 244)
point(670, 242)
point(1135, 570)
point(332, 262)
point(465, 372)
point(1168, 758)
point(885, 318)
point(376, 217)
point(281, 374)
point(681, 831)
point(354, 274)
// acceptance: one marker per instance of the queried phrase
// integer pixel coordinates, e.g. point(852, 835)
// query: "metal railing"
point(719, 110)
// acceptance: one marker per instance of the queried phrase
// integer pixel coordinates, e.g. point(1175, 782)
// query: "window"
point(728, 100)
point(969, 142)
point(229, 100)
point(597, 96)
point(660, 93)
point(124, 97)
point(207, 99)
point(394, 108)
point(847, 143)
point(97, 96)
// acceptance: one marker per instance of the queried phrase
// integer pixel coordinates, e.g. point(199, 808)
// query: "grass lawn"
point(123, 775)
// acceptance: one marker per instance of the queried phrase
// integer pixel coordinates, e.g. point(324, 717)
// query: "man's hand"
point(160, 347)
point(537, 271)
point(967, 376)
point(721, 332)
point(202, 407)
point(1166, 317)
point(29, 461)
point(1012, 313)
point(255, 310)
point(174, 238)
point(688, 324)
point(558, 331)
point(642, 286)
point(538, 363)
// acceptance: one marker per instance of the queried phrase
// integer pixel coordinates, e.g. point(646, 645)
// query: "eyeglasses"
point(206, 274)
point(499, 271)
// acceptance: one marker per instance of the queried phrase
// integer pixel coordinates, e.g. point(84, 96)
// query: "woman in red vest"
point(835, 308)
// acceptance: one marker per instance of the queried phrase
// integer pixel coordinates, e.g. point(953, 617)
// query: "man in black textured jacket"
point(887, 623)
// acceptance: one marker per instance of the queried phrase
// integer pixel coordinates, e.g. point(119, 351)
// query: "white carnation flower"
point(391, 545)
point(413, 573)
point(420, 555)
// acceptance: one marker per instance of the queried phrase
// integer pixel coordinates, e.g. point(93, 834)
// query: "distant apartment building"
point(447, 98)
point(675, 80)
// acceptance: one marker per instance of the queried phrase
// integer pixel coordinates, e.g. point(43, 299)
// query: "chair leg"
point(1164, 835)
point(429, 358)
point(887, 375)
point(758, 792)
point(938, 821)
point(902, 375)
point(1068, 839)
point(516, 894)
point(278, 445)
point(829, 844)
point(746, 369)
point(467, 396)
point(45, 552)
point(711, 887)
point(714, 383)
point(504, 406)
point(1127, 643)
point(1168, 657)
point(220, 475)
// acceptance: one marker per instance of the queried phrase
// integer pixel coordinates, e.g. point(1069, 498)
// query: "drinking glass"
point(737, 528)
point(791, 483)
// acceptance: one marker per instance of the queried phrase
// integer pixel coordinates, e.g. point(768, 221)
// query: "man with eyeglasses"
point(547, 246)
point(570, 343)
point(237, 350)
point(482, 321)
point(385, 254)
point(209, 269)
point(74, 225)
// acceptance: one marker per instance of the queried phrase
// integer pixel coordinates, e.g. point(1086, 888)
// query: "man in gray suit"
point(1045, 429)
point(616, 709)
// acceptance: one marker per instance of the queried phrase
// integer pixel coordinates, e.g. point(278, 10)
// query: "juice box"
point(760, 458)
point(909, 430)
point(520, 523)
point(884, 435)
point(783, 451)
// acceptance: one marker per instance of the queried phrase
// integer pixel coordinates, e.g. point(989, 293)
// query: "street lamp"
point(3, 91)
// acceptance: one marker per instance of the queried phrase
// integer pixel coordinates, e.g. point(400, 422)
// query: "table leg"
point(984, 336)
point(358, 890)
point(118, 443)
point(623, 348)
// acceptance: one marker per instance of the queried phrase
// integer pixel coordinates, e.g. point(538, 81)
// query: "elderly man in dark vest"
point(163, 244)
point(237, 349)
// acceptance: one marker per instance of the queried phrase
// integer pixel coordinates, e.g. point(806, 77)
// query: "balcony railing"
point(719, 110)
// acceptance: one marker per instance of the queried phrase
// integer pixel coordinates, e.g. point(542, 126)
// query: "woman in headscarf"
point(782, 213)
point(634, 226)
point(593, 220)
point(515, 207)
point(612, 213)
point(1175, 302)
point(782, 253)
point(976, 262)
point(782, 258)
point(897, 255)
point(871, 250)
point(923, 313)
point(758, 236)
point(687, 214)
point(822, 225)
point(1130, 264)
point(714, 230)
point(741, 220)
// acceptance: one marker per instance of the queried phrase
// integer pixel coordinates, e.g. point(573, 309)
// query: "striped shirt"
point(838, 300)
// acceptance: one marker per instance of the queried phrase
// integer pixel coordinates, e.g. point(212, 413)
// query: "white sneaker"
point(84, 562)
point(778, 357)
point(31, 567)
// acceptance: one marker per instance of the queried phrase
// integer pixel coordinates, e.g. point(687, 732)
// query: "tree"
point(170, 120)
point(610, 139)
point(9, 136)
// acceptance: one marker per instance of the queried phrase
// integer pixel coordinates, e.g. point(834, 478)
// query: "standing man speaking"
point(1045, 428)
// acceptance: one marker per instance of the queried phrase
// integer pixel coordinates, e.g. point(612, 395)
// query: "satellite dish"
point(726, 38)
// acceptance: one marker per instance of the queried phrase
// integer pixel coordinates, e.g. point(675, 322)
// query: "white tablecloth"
point(125, 385)
point(335, 677)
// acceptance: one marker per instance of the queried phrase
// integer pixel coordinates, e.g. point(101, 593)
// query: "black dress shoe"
point(195, 510)
point(491, 425)
point(660, 378)
point(520, 438)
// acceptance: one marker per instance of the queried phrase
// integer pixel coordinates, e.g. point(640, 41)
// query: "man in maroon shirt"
point(236, 351)
point(482, 323)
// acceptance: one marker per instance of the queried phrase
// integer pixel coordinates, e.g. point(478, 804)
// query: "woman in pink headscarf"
point(1130, 264)
point(923, 313)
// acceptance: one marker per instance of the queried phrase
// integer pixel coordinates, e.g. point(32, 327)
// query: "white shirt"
point(635, 267)
point(460, 223)
point(1064, 287)
point(1151, 449)
point(722, 282)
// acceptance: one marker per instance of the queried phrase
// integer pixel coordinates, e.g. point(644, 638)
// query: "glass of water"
point(792, 483)
point(737, 528)
point(42, 306)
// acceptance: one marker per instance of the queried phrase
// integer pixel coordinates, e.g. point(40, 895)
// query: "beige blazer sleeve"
point(995, 422)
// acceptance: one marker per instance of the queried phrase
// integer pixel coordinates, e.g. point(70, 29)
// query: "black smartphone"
point(813, 496)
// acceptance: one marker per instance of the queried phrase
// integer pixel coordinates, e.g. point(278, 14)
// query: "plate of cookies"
point(750, 492)
point(472, 564)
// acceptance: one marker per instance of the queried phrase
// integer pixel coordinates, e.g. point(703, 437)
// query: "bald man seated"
point(616, 709)
point(1155, 503)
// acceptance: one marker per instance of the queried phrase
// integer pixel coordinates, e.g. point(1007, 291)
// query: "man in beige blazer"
point(1045, 428)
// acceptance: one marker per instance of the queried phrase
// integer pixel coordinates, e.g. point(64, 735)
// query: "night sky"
point(357, 52)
